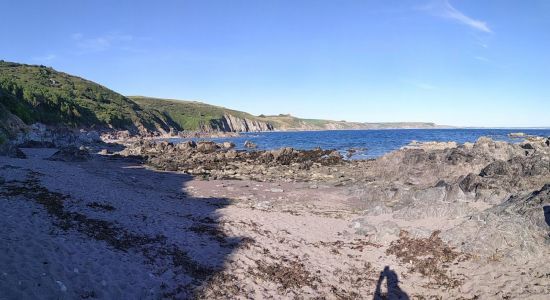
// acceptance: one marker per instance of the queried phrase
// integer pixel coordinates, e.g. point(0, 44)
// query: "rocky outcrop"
point(216, 161)
point(519, 228)
point(71, 154)
point(230, 123)
point(40, 135)
point(494, 194)
point(10, 124)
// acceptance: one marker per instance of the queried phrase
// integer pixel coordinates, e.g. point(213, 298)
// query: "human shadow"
point(392, 285)
point(546, 210)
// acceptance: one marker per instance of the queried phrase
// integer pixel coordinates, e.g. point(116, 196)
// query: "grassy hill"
point(288, 122)
point(189, 115)
point(42, 94)
point(195, 115)
point(31, 93)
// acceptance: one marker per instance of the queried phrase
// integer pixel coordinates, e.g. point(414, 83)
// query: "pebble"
point(62, 286)
point(277, 190)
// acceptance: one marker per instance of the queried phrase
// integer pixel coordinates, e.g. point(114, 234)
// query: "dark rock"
point(70, 154)
point(441, 183)
point(186, 145)
point(250, 145)
point(469, 183)
point(18, 154)
point(11, 150)
point(414, 156)
point(527, 146)
point(456, 156)
point(498, 167)
point(37, 144)
point(207, 147)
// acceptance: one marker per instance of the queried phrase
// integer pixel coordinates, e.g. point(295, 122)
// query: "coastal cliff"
point(230, 123)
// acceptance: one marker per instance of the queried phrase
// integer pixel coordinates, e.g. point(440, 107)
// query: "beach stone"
point(186, 145)
point(498, 167)
point(19, 154)
point(71, 154)
point(206, 147)
point(61, 285)
point(250, 145)
point(228, 145)
point(11, 150)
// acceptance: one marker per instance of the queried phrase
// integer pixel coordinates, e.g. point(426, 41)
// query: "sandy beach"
point(110, 228)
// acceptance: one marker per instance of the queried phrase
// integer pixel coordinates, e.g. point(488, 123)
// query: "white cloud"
point(444, 9)
point(481, 58)
point(101, 43)
point(45, 58)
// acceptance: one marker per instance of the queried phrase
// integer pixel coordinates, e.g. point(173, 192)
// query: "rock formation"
point(230, 123)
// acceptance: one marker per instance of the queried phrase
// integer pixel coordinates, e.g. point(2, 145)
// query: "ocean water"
point(371, 143)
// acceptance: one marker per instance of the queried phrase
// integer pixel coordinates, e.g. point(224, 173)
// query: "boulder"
point(469, 183)
point(207, 147)
point(11, 150)
point(228, 145)
point(498, 167)
point(71, 154)
point(105, 152)
point(186, 145)
point(517, 135)
point(250, 145)
point(37, 144)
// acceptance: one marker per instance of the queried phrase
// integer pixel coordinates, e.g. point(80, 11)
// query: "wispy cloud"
point(444, 9)
point(45, 58)
point(101, 43)
point(481, 58)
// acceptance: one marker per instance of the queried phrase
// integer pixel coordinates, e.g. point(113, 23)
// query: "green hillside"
point(34, 93)
point(188, 115)
point(42, 94)
point(288, 122)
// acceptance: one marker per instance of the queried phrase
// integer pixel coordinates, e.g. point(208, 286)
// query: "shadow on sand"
point(392, 285)
point(198, 250)
point(145, 214)
point(546, 210)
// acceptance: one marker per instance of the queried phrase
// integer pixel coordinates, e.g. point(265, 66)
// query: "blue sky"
point(456, 62)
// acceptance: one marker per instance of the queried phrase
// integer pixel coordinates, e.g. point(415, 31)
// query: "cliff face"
point(230, 123)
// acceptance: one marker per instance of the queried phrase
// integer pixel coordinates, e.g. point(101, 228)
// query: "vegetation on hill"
point(189, 115)
point(41, 94)
point(289, 122)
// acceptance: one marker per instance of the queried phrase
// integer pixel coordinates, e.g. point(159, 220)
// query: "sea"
point(368, 143)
